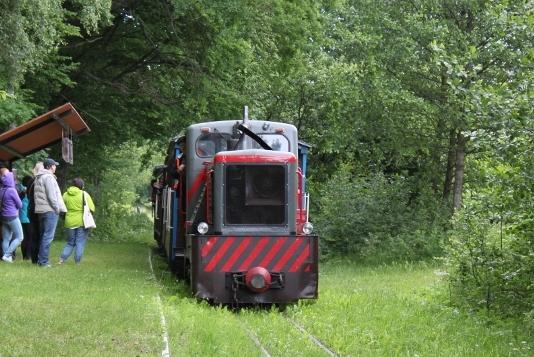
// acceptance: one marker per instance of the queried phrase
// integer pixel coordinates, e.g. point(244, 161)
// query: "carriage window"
point(276, 141)
point(210, 144)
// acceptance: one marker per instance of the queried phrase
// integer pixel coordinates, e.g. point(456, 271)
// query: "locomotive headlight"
point(307, 228)
point(202, 228)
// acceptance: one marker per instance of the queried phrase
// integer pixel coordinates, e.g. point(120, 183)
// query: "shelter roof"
point(41, 132)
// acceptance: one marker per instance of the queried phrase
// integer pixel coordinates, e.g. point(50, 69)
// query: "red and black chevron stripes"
point(276, 254)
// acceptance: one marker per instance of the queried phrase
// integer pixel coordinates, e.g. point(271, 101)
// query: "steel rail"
point(255, 339)
point(314, 339)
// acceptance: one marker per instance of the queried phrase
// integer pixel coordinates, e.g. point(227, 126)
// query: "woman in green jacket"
point(77, 234)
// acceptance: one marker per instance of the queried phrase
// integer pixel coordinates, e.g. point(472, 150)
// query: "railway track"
point(312, 338)
point(298, 327)
point(255, 339)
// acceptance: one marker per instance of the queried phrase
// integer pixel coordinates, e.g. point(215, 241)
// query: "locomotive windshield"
point(255, 194)
point(277, 142)
point(209, 144)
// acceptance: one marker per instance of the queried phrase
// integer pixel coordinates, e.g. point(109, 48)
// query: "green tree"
point(31, 34)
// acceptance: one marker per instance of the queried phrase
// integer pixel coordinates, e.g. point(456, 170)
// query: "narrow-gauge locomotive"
point(231, 213)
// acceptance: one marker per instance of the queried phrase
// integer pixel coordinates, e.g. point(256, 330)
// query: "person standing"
point(10, 204)
point(75, 198)
point(27, 244)
point(34, 217)
point(48, 205)
point(3, 170)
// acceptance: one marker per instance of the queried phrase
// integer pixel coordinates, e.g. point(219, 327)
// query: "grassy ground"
point(105, 306)
point(109, 306)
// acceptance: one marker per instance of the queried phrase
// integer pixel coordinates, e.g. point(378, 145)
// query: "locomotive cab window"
point(209, 144)
point(277, 142)
point(256, 194)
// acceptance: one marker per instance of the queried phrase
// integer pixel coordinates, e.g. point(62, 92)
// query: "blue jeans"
point(11, 229)
point(47, 223)
point(77, 238)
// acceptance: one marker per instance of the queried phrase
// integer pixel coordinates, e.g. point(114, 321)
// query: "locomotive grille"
point(256, 194)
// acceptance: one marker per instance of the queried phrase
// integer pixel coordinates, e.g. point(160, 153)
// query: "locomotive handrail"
point(307, 200)
point(156, 209)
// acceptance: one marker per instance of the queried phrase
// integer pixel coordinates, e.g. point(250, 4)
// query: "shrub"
point(489, 266)
point(377, 218)
point(121, 195)
point(123, 225)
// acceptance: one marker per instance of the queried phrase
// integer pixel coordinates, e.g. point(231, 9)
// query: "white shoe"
point(7, 259)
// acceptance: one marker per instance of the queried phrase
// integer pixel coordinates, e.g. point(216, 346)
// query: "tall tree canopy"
point(415, 109)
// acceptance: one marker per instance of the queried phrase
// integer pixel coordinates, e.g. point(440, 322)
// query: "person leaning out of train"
point(74, 198)
point(10, 203)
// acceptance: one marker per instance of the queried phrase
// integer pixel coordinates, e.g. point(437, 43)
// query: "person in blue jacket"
point(10, 204)
point(27, 244)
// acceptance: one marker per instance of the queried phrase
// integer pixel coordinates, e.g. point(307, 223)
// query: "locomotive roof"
point(255, 125)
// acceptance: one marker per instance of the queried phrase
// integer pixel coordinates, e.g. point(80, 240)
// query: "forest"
point(419, 114)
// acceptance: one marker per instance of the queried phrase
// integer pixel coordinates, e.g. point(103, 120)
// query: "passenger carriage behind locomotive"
point(231, 213)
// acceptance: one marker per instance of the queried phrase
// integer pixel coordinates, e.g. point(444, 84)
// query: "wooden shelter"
point(57, 125)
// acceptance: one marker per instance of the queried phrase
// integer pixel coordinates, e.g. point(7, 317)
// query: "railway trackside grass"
point(104, 307)
point(399, 310)
point(394, 310)
point(108, 306)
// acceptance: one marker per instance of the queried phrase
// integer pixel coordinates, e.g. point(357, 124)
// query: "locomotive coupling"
point(258, 279)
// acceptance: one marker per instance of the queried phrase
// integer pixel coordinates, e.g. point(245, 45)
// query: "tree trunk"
point(459, 171)
point(452, 140)
point(436, 155)
point(451, 156)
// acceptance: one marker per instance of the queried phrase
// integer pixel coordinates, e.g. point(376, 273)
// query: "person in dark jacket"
point(10, 204)
point(34, 217)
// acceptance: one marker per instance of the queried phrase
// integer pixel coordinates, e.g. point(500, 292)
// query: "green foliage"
point(32, 31)
point(92, 15)
point(490, 268)
point(377, 218)
point(121, 195)
point(28, 32)
point(490, 256)
point(427, 72)
point(15, 110)
point(4, 95)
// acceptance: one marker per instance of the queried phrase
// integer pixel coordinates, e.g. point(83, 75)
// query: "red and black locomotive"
point(231, 213)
